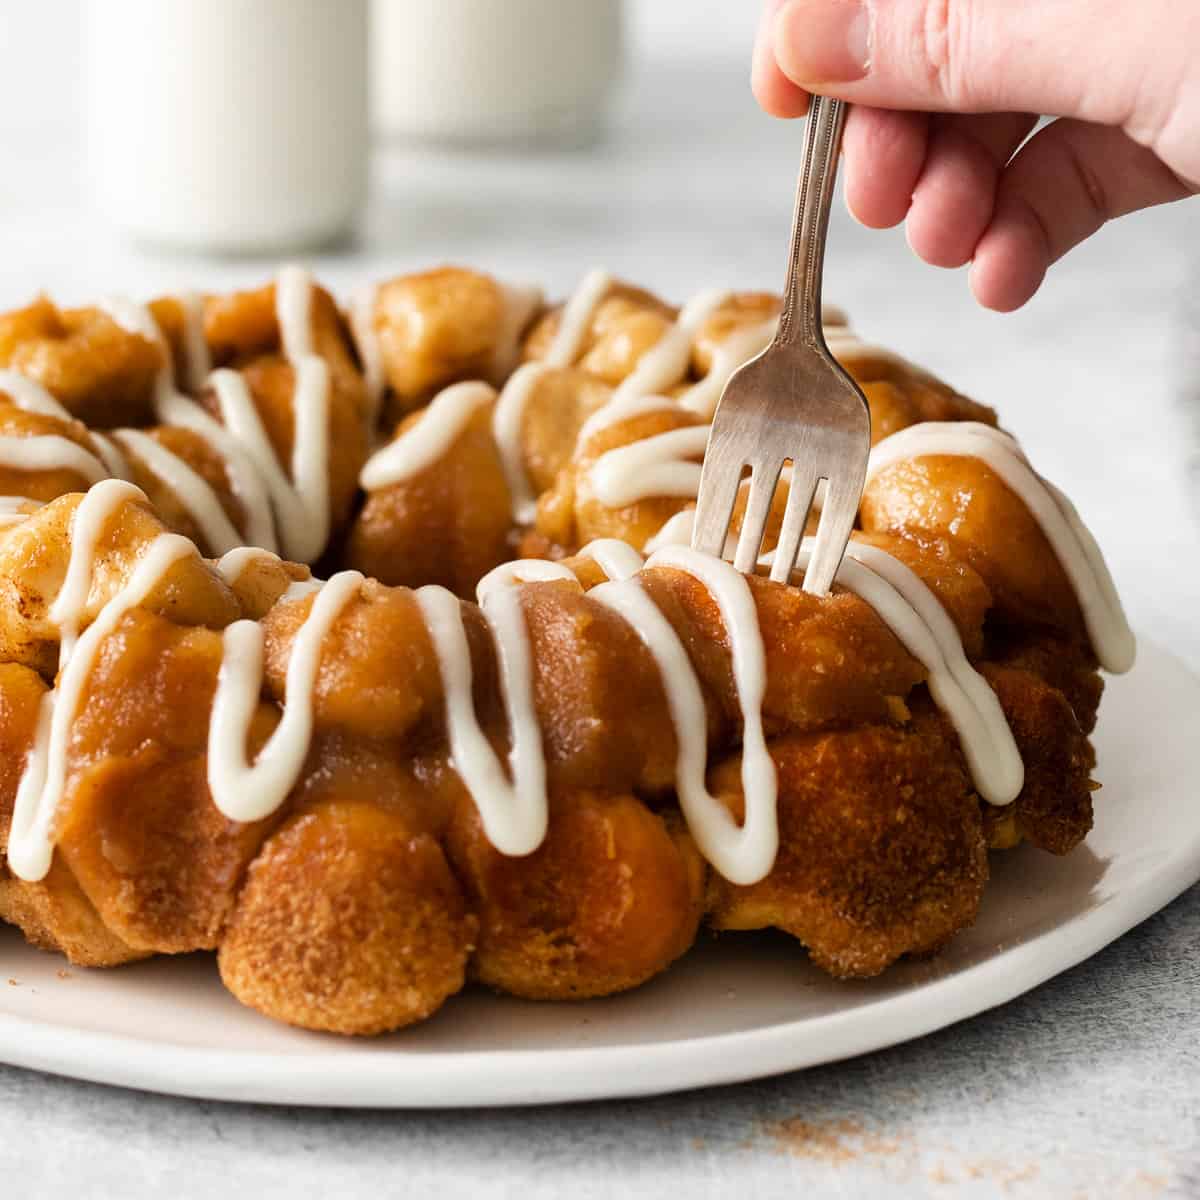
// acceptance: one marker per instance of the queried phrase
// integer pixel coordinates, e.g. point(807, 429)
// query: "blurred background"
point(671, 177)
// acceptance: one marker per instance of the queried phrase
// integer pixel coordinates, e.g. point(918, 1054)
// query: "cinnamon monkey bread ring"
point(513, 730)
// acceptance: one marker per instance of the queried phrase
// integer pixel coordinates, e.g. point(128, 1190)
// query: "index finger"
point(772, 88)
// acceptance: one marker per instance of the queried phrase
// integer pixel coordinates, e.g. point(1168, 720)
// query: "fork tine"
point(833, 533)
point(795, 518)
point(720, 477)
point(763, 482)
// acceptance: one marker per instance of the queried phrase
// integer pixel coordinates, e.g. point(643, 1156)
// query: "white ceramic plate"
point(738, 1008)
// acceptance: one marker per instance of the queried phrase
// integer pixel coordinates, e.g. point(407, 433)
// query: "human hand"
point(945, 93)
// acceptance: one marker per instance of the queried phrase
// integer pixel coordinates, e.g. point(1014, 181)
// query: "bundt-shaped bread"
point(576, 740)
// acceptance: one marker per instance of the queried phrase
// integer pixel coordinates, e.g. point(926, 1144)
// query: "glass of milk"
point(494, 71)
point(227, 125)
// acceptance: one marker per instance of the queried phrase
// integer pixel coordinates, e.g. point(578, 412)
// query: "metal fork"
point(793, 401)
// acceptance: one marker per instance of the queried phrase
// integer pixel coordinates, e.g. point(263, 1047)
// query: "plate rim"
point(479, 1078)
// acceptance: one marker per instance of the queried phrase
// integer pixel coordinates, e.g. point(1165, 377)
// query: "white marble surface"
point(1089, 1086)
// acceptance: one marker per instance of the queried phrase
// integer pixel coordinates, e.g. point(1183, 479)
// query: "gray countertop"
point(1088, 1086)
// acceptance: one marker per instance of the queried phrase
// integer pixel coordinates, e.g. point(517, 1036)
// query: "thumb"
point(1103, 61)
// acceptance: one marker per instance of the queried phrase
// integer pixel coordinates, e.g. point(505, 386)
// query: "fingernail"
point(823, 41)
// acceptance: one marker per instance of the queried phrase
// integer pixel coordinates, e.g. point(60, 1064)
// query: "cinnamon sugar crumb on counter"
point(835, 1142)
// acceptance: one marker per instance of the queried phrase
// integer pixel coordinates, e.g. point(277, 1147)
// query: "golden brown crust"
point(881, 846)
point(349, 921)
point(612, 897)
point(448, 525)
point(43, 484)
point(138, 828)
point(102, 374)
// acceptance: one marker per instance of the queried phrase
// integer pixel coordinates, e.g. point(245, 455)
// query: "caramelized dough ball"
point(271, 381)
point(440, 326)
point(242, 326)
point(908, 399)
point(881, 850)
point(559, 403)
point(378, 675)
point(137, 825)
point(52, 913)
point(571, 514)
point(33, 564)
point(598, 695)
point(40, 483)
point(959, 501)
point(448, 525)
point(350, 919)
point(612, 897)
point(743, 310)
point(1066, 665)
point(1054, 809)
point(102, 374)
point(960, 591)
point(198, 453)
point(263, 581)
point(828, 660)
point(243, 332)
point(625, 324)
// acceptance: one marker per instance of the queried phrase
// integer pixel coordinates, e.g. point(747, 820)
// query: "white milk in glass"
point(493, 71)
point(227, 125)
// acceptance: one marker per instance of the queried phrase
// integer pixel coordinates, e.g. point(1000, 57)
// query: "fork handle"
point(800, 318)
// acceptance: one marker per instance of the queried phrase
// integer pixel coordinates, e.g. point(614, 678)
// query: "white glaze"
point(1072, 544)
point(522, 570)
point(248, 485)
point(666, 362)
point(191, 489)
point(736, 349)
point(251, 791)
point(518, 305)
point(110, 454)
point(197, 361)
point(28, 394)
point(31, 840)
point(232, 564)
point(917, 618)
point(665, 464)
point(913, 613)
point(427, 440)
point(301, 508)
point(370, 351)
point(576, 318)
point(513, 813)
point(750, 852)
point(298, 508)
point(621, 410)
point(45, 452)
point(87, 525)
point(507, 420)
point(50, 452)
point(617, 559)
point(674, 531)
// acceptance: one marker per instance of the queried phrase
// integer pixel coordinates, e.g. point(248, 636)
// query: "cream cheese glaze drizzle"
point(370, 352)
point(514, 815)
point(251, 791)
point(31, 839)
point(432, 433)
point(507, 418)
point(1070, 540)
point(294, 512)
